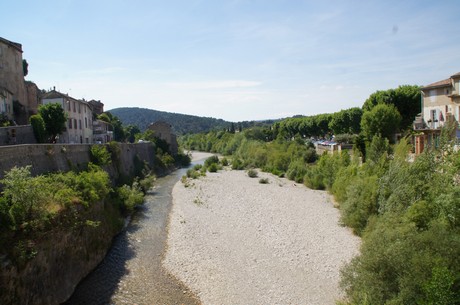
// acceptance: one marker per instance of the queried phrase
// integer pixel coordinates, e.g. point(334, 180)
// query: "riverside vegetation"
point(87, 207)
point(407, 212)
point(31, 206)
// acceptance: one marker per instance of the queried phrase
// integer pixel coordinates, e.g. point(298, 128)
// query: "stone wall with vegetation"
point(54, 229)
point(46, 158)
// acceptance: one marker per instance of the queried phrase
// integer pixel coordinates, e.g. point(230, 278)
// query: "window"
point(75, 123)
point(70, 123)
point(432, 94)
point(68, 105)
point(86, 122)
point(79, 124)
point(79, 108)
point(74, 107)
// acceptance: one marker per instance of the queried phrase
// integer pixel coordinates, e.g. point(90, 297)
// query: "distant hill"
point(182, 123)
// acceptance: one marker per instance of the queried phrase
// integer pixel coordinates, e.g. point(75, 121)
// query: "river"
point(132, 272)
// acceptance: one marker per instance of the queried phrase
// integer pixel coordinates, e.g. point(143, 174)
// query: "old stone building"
point(79, 117)
point(164, 131)
point(12, 77)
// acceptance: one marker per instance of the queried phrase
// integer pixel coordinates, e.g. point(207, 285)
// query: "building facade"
point(6, 104)
point(12, 75)
point(440, 104)
point(164, 131)
point(79, 118)
point(102, 132)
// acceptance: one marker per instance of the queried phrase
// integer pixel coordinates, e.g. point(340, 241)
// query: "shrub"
point(194, 174)
point(130, 196)
point(213, 168)
point(147, 182)
point(224, 161)
point(264, 181)
point(211, 160)
point(297, 171)
point(237, 164)
point(252, 173)
point(100, 155)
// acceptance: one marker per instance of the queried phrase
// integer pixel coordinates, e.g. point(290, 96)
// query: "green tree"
point(54, 118)
point(346, 121)
point(405, 98)
point(130, 132)
point(383, 119)
point(119, 133)
point(38, 126)
point(25, 67)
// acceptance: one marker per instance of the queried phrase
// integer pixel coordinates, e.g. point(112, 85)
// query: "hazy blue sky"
point(236, 60)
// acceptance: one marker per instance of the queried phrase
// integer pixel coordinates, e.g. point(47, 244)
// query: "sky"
point(234, 59)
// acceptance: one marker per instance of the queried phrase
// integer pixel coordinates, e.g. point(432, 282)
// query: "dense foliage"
point(279, 157)
point(408, 216)
point(181, 123)
point(34, 205)
point(407, 212)
point(54, 118)
point(406, 100)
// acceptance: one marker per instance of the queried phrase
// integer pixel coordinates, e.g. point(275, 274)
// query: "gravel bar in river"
point(233, 240)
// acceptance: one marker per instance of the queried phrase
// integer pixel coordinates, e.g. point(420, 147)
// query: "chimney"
point(54, 88)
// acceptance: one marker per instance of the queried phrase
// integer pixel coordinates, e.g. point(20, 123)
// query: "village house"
point(12, 80)
point(79, 117)
point(440, 104)
point(164, 131)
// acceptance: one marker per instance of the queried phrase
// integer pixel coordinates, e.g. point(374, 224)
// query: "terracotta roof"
point(456, 75)
point(442, 83)
point(15, 45)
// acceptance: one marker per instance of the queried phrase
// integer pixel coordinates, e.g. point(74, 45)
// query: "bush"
point(213, 168)
point(237, 164)
point(100, 155)
point(130, 196)
point(211, 160)
point(252, 173)
point(264, 181)
point(224, 161)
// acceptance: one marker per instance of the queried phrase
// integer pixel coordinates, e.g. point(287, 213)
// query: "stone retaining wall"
point(46, 158)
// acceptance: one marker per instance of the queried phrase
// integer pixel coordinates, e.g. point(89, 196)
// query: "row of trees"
point(384, 112)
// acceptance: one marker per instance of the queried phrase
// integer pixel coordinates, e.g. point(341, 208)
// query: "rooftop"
point(15, 45)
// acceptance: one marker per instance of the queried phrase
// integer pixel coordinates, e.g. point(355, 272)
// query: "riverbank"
point(233, 240)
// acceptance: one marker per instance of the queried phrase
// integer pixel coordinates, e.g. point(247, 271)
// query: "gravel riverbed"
point(233, 240)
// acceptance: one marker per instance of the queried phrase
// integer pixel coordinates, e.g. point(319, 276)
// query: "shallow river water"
point(131, 272)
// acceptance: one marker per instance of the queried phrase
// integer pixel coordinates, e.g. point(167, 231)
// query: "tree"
point(25, 67)
point(130, 132)
point(38, 126)
point(405, 98)
point(383, 119)
point(54, 118)
point(346, 121)
point(119, 133)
